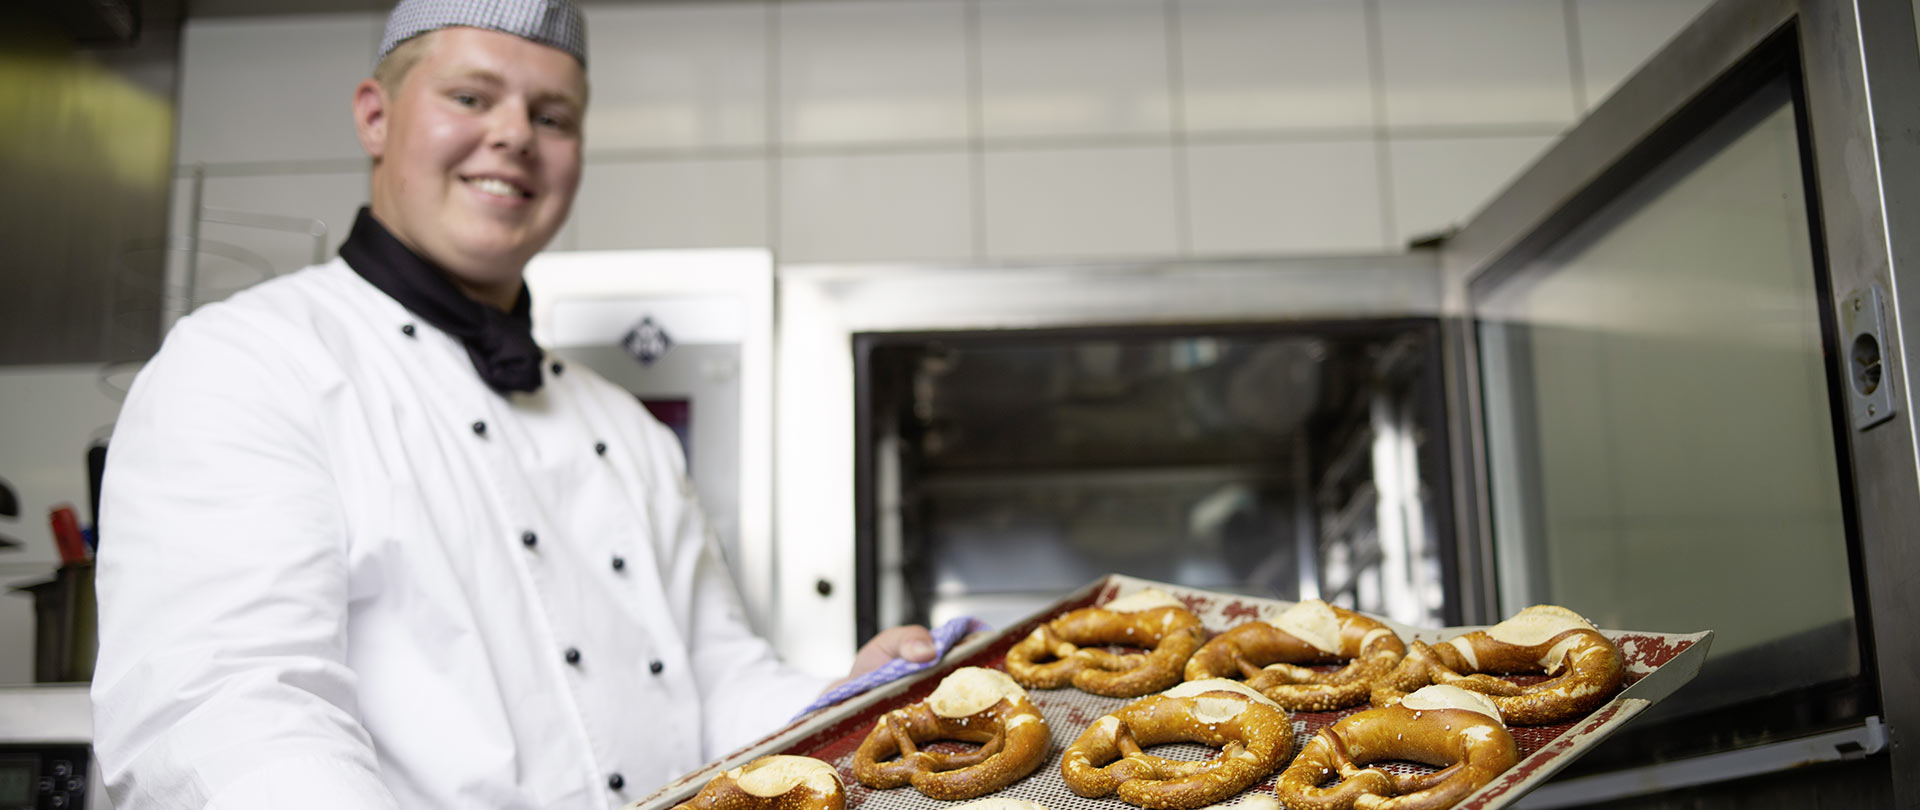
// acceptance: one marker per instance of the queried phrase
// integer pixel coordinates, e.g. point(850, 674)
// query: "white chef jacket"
point(338, 571)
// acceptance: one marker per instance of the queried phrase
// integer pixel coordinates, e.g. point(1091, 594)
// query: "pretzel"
point(973, 705)
point(1546, 639)
point(1269, 654)
point(1255, 736)
point(778, 782)
point(1148, 619)
point(1458, 731)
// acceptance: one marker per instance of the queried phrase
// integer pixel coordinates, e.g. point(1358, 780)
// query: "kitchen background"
point(951, 132)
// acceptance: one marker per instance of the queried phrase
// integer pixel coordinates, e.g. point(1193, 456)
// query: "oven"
point(1678, 398)
point(979, 440)
point(1659, 379)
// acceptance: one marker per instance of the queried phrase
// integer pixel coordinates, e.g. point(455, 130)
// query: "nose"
point(510, 129)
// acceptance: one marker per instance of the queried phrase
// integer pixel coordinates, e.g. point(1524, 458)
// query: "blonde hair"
point(393, 69)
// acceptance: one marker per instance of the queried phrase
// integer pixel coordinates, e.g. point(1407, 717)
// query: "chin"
point(499, 254)
point(493, 269)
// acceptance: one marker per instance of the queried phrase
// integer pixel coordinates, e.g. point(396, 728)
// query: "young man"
point(370, 547)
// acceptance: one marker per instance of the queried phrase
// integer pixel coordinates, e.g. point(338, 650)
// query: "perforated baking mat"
point(1656, 664)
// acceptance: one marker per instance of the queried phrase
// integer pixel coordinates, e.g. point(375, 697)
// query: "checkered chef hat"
point(554, 23)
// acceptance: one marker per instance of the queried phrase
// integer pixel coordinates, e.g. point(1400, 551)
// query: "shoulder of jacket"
point(316, 300)
point(289, 298)
point(290, 323)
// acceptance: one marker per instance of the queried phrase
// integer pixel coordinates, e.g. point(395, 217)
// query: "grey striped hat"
point(554, 23)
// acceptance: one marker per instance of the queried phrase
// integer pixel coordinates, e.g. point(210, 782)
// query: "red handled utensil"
point(66, 535)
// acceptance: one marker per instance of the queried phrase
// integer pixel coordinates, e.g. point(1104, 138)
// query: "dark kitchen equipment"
point(9, 508)
point(96, 470)
point(66, 625)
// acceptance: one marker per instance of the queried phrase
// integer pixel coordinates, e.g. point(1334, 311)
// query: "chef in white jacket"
point(366, 546)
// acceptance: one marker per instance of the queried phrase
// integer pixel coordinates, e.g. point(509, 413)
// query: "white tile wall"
point(1291, 198)
point(569, 236)
point(677, 76)
point(1475, 62)
point(1081, 203)
point(1274, 64)
point(864, 72)
point(847, 130)
point(672, 203)
point(1617, 36)
point(1073, 68)
point(236, 255)
point(276, 88)
point(330, 199)
point(876, 207)
point(1438, 183)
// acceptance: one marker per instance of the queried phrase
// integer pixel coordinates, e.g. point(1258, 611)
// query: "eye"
point(558, 122)
point(465, 99)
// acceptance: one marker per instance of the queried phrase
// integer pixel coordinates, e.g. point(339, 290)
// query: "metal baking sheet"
point(1657, 664)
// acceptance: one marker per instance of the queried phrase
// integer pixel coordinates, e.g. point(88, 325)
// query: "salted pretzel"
point(778, 782)
point(1586, 665)
point(1453, 729)
point(974, 705)
point(1057, 653)
point(1270, 655)
point(1254, 735)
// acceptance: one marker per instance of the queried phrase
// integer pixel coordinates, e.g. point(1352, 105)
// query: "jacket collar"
point(499, 343)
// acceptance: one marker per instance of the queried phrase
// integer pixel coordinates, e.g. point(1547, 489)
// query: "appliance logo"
point(646, 341)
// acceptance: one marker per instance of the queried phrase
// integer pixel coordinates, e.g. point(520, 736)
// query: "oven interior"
point(997, 470)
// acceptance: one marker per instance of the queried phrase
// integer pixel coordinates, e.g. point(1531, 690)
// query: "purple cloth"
point(944, 637)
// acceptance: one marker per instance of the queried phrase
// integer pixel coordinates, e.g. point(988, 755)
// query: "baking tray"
point(1657, 664)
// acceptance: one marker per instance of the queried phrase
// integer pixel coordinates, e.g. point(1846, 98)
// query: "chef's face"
point(476, 154)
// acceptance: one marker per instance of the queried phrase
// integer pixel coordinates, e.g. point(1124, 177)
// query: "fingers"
point(911, 642)
point(918, 649)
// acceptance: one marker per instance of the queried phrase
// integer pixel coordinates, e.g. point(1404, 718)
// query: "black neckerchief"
point(499, 343)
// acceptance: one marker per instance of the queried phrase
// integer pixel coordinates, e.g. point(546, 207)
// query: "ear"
point(370, 106)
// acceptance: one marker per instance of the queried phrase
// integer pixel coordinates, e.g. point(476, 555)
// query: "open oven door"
point(1676, 367)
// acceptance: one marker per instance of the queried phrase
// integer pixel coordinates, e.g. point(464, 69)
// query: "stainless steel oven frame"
point(1859, 70)
point(824, 308)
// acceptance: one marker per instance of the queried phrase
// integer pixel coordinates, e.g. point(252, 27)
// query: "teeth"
point(494, 186)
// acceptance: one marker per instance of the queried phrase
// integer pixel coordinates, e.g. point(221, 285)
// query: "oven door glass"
point(1661, 443)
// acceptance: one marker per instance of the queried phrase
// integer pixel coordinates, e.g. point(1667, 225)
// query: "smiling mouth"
point(498, 187)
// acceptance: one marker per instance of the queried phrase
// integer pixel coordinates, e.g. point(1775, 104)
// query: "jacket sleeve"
point(746, 692)
point(222, 577)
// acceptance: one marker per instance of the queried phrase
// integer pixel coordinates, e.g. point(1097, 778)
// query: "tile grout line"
point(629, 155)
point(976, 128)
point(1576, 57)
point(772, 156)
point(773, 153)
point(1177, 126)
point(1382, 154)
